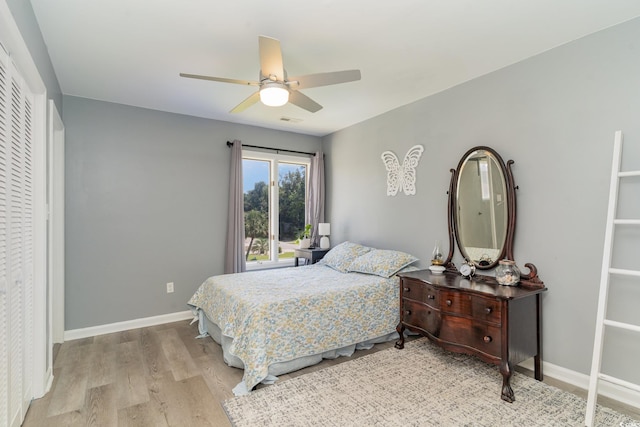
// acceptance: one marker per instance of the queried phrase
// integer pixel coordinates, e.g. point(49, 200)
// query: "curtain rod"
point(230, 144)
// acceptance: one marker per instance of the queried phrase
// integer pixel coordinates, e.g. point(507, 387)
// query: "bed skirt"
point(208, 328)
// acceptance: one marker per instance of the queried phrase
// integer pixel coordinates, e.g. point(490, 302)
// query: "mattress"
point(275, 321)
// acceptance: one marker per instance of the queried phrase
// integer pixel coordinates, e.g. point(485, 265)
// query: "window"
point(274, 187)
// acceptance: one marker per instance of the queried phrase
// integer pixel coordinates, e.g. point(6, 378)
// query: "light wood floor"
point(156, 376)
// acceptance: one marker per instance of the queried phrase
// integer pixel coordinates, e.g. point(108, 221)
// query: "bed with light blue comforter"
point(275, 316)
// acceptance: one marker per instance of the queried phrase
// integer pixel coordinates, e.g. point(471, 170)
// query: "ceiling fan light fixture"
point(274, 94)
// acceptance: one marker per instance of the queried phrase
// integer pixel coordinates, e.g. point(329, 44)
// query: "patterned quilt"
point(280, 315)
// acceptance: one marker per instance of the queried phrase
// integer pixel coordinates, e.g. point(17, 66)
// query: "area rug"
point(421, 385)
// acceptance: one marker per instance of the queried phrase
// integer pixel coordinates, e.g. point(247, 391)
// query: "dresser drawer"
point(421, 316)
point(477, 307)
point(463, 331)
point(486, 309)
point(419, 291)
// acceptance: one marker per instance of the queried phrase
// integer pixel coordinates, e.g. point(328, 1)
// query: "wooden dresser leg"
point(537, 368)
point(507, 391)
point(400, 342)
point(537, 360)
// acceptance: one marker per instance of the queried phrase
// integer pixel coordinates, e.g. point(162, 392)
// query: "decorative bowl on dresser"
point(473, 314)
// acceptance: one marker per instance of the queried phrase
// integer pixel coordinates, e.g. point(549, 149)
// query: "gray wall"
point(555, 115)
point(26, 20)
point(146, 204)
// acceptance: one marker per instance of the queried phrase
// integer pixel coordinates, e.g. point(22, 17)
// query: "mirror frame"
point(507, 249)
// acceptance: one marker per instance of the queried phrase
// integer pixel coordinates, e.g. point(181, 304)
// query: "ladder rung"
point(624, 272)
point(621, 325)
point(627, 221)
point(618, 381)
point(629, 173)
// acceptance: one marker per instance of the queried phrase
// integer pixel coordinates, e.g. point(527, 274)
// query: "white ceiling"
point(131, 51)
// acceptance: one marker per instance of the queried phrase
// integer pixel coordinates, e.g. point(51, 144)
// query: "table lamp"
point(324, 229)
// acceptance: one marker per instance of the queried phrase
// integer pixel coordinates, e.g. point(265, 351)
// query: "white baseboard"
point(93, 331)
point(613, 391)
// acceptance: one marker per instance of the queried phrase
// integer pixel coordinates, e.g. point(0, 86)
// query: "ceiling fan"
point(275, 88)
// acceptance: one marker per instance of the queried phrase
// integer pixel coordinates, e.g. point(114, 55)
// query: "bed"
point(271, 322)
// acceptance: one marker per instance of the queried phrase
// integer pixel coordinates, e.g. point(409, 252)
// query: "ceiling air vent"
point(290, 119)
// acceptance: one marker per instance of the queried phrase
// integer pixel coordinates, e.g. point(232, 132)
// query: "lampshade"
point(274, 94)
point(324, 229)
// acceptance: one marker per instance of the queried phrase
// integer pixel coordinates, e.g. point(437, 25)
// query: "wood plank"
point(103, 368)
point(196, 347)
point(182, 365)
point(100, 408)
point(70, 389)
point(131, 386)
point(188, 403)
point(75, 353)
point(108, 342)
point(142, 415)
point(130, 335)
point(73, 418)
point(153, 357)
point(218, 376)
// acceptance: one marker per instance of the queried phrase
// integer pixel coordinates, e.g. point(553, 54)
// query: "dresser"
point(477, 316)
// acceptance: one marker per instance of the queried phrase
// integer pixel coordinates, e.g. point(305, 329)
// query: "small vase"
point(507, 273)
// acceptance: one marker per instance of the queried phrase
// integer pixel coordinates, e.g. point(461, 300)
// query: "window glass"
point(292, 180)
point(256, 208)
point(274, 206)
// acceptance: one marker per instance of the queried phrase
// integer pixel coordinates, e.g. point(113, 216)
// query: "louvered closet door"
point(4, 261)
point(16, 244)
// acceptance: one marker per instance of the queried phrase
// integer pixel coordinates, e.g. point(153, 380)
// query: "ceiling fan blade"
point(271, 58)
point(303, 101)
point(324, 79)
point(252, 99)
point(220, 79)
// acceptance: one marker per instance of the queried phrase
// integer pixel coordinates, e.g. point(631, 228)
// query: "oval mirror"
point(482, 207)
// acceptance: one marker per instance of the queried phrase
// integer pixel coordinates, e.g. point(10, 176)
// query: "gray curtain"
point(314, 214)
point(234, 255)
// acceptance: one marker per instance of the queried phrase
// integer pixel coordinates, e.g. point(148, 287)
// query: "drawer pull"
point(487, 339)
point(431, 297)
point(406, 289)
point(407, 313)
point(449, 302)
point(488, 310)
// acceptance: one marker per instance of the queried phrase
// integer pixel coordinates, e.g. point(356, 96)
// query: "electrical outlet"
point(169, 287)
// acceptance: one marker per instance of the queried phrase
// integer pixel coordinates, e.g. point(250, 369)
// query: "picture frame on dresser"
point(473, 313)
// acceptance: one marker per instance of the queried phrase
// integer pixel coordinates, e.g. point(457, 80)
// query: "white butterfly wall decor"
point(402, 176)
